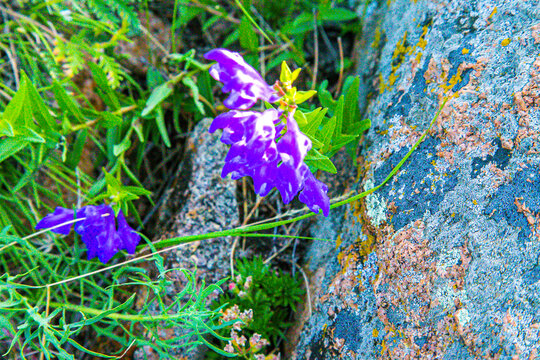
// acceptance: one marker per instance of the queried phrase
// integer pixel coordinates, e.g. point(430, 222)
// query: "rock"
point(210, 206)
point(442, 262)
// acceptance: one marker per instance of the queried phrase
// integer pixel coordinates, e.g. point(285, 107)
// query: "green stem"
point(119, 316)
point(246, 13)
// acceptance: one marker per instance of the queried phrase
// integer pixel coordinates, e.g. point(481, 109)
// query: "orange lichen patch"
point(532, 219)
point(535, 32)
point(526, 100)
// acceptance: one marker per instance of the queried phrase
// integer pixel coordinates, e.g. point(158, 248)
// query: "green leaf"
point(323, 164)
point(314, 119)
point(286, 73)
point(160, 122)
point(157, 97)
point(204, 82)
point(338, 113)
point(302, 23)
point(231, 38)
point(248, 37)
point(351, 111)
point(286, 55)
point(11, 146)
point(122, 147)
point(107, 93)
point(74, 156)
point(190, 83)
point(328, 131)
point(65, 102)
point(326, 98)
point(302, 96)
point(300, 118)
point(336, 14)
point(15, 110)
point(110, 120)
point(40, 110)
point(6, 128)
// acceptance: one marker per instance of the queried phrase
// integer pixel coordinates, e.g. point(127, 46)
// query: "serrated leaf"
point(157, 96)
point(328, 131)
point(302, 24)
point(314, 120)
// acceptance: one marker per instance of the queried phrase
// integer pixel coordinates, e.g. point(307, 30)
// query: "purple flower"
point(102, 234)
point(59, 216)
point(314, 194)
point(244, 83)
point(251, 135)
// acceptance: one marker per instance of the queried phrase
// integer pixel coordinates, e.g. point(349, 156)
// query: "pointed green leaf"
point(302, 96)
point(314, 120)
point(40, 110)
point(158, 95)
point(339, 117)
point(248, 37)
point(286, 74)
point(160, 121)
point(104, 89)
point(15, 109)
point(351, 108)
point(190, 83)
point(326, 98)
point(11, 146)
point(66, 103)
point(74, 156)
point(327, 132)
point(336, 14)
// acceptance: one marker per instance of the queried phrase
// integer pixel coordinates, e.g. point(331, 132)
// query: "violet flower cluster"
point(264, 146)
point(102, 234)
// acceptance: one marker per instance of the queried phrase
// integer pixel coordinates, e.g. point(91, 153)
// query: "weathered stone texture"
point(442, 262)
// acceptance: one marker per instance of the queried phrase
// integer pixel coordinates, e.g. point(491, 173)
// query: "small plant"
point(263, 299)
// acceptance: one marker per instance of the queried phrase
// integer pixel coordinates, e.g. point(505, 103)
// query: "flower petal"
point(59, 216)
point(314, 194)
point(242, 81)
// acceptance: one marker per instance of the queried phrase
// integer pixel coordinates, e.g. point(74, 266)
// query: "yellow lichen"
point(493, 12)
point(506, 42)
point(465, 51)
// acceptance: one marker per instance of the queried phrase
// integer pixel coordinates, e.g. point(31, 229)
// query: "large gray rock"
point(442, 262)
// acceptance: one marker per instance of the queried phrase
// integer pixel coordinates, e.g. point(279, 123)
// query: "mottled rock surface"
point(442, 262)
point(207, 204)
